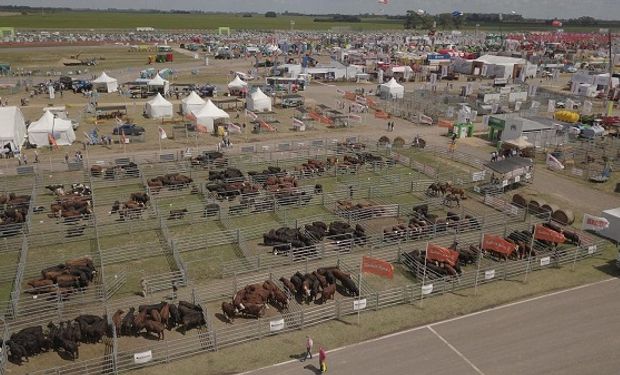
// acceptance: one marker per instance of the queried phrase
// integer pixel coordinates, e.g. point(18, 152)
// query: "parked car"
point(207, 90)
point(292, 101)
point(81, 86)
point(128, 129)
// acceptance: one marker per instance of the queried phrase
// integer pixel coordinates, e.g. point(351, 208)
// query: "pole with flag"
point(529, 255)
point(424, 275)
point(162, 135)
point(480, 254)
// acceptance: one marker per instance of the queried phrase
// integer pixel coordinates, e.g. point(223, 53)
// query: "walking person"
point(309, 344)
point(36, 156)
point(66, 158)
point(322, 360)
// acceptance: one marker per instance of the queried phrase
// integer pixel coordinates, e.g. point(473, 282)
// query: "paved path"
point(568, 332)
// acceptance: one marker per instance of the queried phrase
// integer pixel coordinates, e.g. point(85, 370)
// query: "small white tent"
point(392, 90)
point(60, 129)
point(208, 114)
point(237, 85)
point(105, 83)
point(159, 84)
point(158, 107)
point(258, 102)
point(12, 127)
point(192, 102)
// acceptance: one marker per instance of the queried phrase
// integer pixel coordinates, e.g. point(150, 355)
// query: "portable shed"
point(208, 115)
point(105, 83)
point(158, 107)
point(159, 84)
point(60, 129)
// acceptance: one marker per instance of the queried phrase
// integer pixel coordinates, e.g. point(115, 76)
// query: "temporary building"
point(237, 85)
point(192, 102)
point(159, 84)
point(158, 107)
point(258, 102)
point(503, 67)
point(60, 129)
point(105, 83)
point(12, 127)
point(208, 115)
point(392, 90)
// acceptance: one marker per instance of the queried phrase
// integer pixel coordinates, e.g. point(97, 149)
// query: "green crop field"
point(117, 20)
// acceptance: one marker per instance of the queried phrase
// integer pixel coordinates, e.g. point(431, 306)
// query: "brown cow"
point(165, 315)
point(328, 293)
point(155, 327)
point(155, 315)
point(116, 320)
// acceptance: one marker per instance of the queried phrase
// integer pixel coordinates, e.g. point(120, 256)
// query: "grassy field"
point(126, 20)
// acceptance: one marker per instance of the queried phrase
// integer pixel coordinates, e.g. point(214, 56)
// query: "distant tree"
point(270, 14)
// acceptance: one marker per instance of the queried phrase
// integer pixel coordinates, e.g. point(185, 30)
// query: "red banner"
point(441, 254)
point(445, 124)
point(497, 244)
point(546, 234)
point(378, 267)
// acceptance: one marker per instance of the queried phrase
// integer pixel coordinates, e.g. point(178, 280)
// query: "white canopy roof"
point(237, 83)
point(208, 114)
point(392, 83)
point(159, 107)
point(392, 89)
point(258, 101)
point(60, 129)
point(12, 126)
point(192, 102)
point(104, 78)
point(157, 81)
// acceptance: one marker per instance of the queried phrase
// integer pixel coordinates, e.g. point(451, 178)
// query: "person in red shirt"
point(322, 360)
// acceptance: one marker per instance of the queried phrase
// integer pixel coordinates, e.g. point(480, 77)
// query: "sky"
point(602, 9)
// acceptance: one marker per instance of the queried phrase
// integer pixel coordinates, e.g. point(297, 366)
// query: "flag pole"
point(479, 263)
point(529, 256)
point(359, 294)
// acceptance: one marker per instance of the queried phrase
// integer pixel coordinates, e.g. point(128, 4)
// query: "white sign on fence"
point(143, 357)
point(276, 325)
point(477, 176)
point(545, 261)
point(591, 249)
point(427, 289)
point(488, 275)
point(359, 304)
point(504, 183)
point(517, 178)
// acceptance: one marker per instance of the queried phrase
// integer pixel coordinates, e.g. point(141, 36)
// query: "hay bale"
point(563, 216)
point(384, 140)
point(535, 205)
point(398, 142)
point(519, 200)
point(549, 207)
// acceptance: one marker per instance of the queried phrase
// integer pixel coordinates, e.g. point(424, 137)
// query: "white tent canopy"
point(158, 82)
point(208, 114)
point(12, 127)
point(237, 84)
point(192, 102)
point(392, 90)
point(159, 107)
point(60, 129)
point(105, 83)
point(258, 102)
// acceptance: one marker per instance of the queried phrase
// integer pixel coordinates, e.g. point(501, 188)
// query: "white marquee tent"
point(392, 90)
point(258, 101)
point(159, 84)
point(208, 115)
point(12, 127)
point(105, 83)
point(237, 85)
point(192, 102)
point(60, 129)
point(158, 107)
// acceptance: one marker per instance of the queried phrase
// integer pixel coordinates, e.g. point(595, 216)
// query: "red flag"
point(201, 128)
point(123, 138)
point(378, 267)
point(441, 254)
point(547, 234)
point(497, 244)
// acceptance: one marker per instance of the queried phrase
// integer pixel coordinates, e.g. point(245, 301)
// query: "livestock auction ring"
point(208, 252)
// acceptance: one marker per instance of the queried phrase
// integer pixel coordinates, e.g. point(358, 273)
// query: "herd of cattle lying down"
point(127, 170)
point(171, 180)
point(73, 274)
point(318, 286)
point(66, 337)
point(284, 239)
point(132, 208)
point(451, 266)
point(15, 210)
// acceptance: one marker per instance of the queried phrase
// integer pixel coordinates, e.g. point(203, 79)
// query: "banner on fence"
point(591, 249)
point(424, 119)
point(478, 176)
point(361, 100)
point(427, 289)
point(143, 357)
point(553, 163)
point(547, 234)
point(359, 304)
point(251, 115)
point(276, 325)
point(378, 267)
point(441, 254)
point(497, 244)
point(488, 275)
point(595, 223)
point(444, 123)
point(545, 261)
